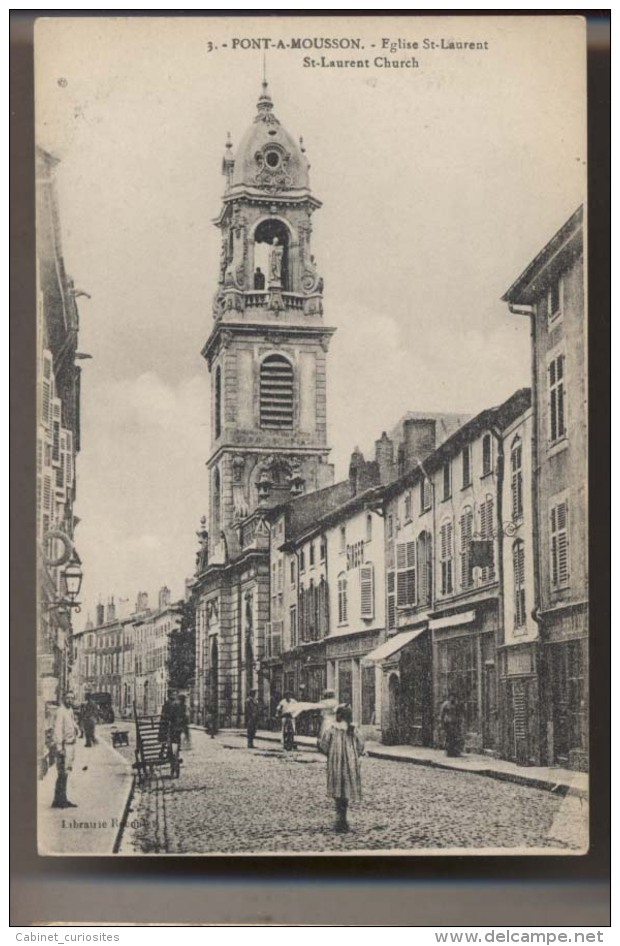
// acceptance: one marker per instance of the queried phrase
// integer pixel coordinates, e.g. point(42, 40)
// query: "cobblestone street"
point(233, 800)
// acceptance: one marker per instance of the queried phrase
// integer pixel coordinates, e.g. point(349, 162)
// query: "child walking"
point(343, 746)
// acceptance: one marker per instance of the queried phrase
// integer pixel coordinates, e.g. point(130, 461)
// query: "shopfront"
point(565, 655)
point(404, 662)
point(519, 704)
point(464, 665)
point(354, 680)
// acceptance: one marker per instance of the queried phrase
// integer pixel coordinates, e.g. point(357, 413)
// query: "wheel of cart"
point(288, 732)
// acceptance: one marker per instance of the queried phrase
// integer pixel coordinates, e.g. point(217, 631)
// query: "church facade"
point(266, 355)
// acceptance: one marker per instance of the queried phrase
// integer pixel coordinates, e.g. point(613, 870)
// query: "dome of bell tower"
point(268, 158)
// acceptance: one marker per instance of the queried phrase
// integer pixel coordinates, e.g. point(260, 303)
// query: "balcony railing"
point(258, 299)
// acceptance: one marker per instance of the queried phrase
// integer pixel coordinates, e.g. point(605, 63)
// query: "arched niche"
point(263, 236)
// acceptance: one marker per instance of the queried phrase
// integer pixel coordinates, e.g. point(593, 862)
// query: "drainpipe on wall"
point(530, 311)
point(500, 564)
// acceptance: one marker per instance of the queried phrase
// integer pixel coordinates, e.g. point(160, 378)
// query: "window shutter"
point(391, 601)
point(466, 537)
point(367, 586)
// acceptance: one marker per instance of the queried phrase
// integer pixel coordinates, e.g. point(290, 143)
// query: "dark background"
point(360, 891)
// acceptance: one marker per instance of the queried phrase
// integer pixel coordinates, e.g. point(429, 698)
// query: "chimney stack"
point(142, 602)
point(419, 439)
point(164, 597)
point(100, 614)
point(111, 611)
point(384, 456)
point(356, 468)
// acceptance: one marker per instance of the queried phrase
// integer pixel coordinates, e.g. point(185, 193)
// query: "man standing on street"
point(65, 735)
point(89, 718)
point(450, 719)
point(252, 712)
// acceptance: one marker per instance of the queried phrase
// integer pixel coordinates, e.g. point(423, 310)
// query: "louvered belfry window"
point(276, 393)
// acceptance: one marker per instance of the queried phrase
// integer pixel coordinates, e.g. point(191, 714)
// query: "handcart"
point(150, 751)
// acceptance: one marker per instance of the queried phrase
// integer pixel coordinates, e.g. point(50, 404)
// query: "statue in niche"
point(276, 252)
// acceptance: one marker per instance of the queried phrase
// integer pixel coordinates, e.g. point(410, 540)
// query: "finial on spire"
point(301, 145)
point(228, 141)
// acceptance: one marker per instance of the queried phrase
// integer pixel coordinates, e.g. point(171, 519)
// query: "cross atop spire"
point(265, 104)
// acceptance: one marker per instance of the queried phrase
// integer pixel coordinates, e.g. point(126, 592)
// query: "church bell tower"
point(267, 348)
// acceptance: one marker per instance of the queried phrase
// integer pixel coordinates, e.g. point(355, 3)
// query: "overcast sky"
point(439, 185)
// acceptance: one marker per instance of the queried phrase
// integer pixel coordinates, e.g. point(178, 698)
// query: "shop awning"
point(452, 620)
point(391, 647)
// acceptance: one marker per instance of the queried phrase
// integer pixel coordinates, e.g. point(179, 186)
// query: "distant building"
point(151, 639)
point(550, 292)
point(126, 654)
point(58, 443)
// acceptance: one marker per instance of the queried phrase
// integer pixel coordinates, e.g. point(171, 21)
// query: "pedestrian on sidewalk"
point(343, 747)
point(170, 731)
point(187, 738)
point(284, 711)
point(90, 718)
point(450, 719)
point(65, 734)
point(252, 713)
point(211, 720)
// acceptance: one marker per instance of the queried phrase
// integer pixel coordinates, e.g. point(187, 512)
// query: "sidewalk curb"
point(119, 834)
point(561, 789)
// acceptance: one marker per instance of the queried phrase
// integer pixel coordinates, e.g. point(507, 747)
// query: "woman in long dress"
point(343, 747)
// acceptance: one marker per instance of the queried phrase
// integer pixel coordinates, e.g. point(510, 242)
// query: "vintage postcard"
point(312, 435)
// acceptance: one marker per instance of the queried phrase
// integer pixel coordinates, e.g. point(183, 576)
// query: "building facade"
point(58, 443)
point(152, 630)
point(266, 355)
point(445, 529)
point(126, 654)
point(550, 292)
point(518, 653)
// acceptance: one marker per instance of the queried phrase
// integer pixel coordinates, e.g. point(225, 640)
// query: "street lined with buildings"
point(452, 564)
point(234, 800)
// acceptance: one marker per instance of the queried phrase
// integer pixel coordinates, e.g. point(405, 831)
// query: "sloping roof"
point(500, 417)
point(303, 511)
point(339, 512)
point(567, 242)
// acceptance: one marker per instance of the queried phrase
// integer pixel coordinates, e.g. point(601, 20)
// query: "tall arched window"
point(276, 392)
point(218, 402)
point(216, 500)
